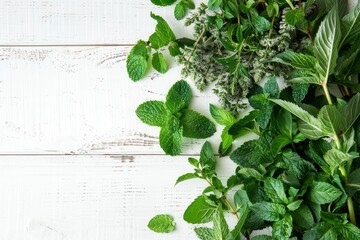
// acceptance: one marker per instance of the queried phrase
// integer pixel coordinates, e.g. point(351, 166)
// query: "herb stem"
point(327, 94)
point(290, 4)
point(350, 203)
point(195, 46)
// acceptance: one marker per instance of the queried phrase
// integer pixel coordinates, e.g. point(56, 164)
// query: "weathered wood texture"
point(93, 197)
point(80, 100)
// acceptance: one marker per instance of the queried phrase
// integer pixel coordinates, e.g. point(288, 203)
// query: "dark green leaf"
point(281, 230)
point(322, 230)
point(204, 233)
point(261, 24)
point(271, 87)
point(171, 137)
point(261, 102)
point(303, 217)
point(284, 122)
point(248, 155)
point(322, 193)
point(189, 4)
point(275, 190)
point(243, 122)
point(180, 11)
point(159, 63)
point(269, 211)
point(300, 91)
point(199, 211)
point(297, 165)
point(162, 223)
point(221, 116)
point(179, 96)
point(174, 49)
point(153, 113)
point(196, 125)
point(163, 2)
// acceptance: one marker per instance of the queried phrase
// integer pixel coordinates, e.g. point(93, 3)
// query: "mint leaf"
point(293, 16)
point(174, 49)
point(162, 223)
point(300, 91)
point(179, 96)
point(349, 232)
point(180, 11)
point(204, 233)
point(275, 190)
point(281, 230)
point(213, 4)
point(331, 120)
point(159, 63)
point(171, 137)
point(322, 193)
point(196, 125)
point(207, 157)
point(250, 173)
point(303, 217)
point(296, 60)
point(221, 116)
point(221, 228)
point(268, 211)
point(261, 102)
point(163, 2)
point(163, 34)
point(136, 63)
point(185, 177)
point(351, 23)
point(199, 211)
point(235, 233)
point(351, 112)
point(271, 87)
point(153, 113)
point(261, 24)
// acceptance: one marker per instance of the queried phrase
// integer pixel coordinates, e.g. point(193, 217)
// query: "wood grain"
point(94, 197)
point(69, 22)
point(79, 100)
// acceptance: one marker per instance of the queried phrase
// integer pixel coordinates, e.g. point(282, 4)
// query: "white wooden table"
point(75, 162)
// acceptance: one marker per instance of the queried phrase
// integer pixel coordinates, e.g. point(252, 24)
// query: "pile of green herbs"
point(301, 175)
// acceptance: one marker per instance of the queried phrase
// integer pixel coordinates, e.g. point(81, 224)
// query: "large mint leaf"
point(281, 230)
point(196, 125)
point(296, 60)
point(199, 211)
point(303, 217)
point(163, 34)
point(322, 193)
point(171, 137)
point(268, 211)
point(180, 10)
point(162, 223)
point(327, 42)
point(163, 2)
point(153, 113)
point(261, 102)
point(136, 63)
point(179, 96)
point(221, 228)
point(351, 24)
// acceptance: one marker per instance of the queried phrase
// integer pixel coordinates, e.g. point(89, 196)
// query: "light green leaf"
point(275, 190)
point(331, 119)
point(221, 116)
point(336, 157)
point(293, 16)
point(162, 223)
point(185, 177)
point(250, 173)
point(153, 113)
point(163, 34)
point(349, 232)
point(179, 96)
point(204, 233)
point(296, 60)
point(199, 211)
point(351, 24)
point(136, 63)
point(243, 213)
point(207, 156)
point(213, 4)
point(261, 24)
point(294, 205)
point(159, 63)
point(327, 42)
point(196, 125)
point(351, 112)
point(163, 2)
point(180, 11)
point(221, 228)
point(171, 137)
point(281, 230)
point(241, 199)
point(322, 193)
point(268, 211)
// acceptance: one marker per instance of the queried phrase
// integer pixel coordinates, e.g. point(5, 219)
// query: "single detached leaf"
point(179, 96)
point(268, 211)
point(180, 10)
point(162, 223)
point(282, 229)
point(261, 24)
point(327, 42)
point(351, 24)
point(213, 4)
point(185, 177)
point(136, 63)
point(153, 113)
point(275, 190)
point(296, 60)
point(204, 233)
point(199, 211)
point(221, 228)
point(171, 137)
point(163, 2)
point(322, 193)
point(196, 125)
point(221, 116)
point(159, 63)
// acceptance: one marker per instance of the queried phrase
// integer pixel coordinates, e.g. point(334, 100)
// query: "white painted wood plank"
point(94, 197)
point(80, 100)
point(80, 21)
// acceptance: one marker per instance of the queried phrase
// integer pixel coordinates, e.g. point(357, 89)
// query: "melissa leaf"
point(196, 125)
point(171, 137)
point(179, 96)
point(199, 211)
point(162, 223)
point(153, 113)
point(159, 63)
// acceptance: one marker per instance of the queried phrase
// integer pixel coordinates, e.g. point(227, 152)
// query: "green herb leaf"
point(171, 137)
point(261, 102)
point(207, 156)
point(196, 125)
point(322, 193)
point(180, 11)
point(349, 232)
point(268, 211)
point(221, 228)
point(250, 173)
point(351, 23)
point(153, 113)
point(296, 60)
point(162, 223)
point(221, 116)
point(262, 237)
point(275, 190)
point(199, 211)
point(213, 4)
point(179, 96)
point(248, 155)
point(185, 177)
point(331, 119)
point(336, 157)
point(136, 63)
point(282, 229)
point(261, 24)
point(303, 217)
point(174, 49)
point(322, 230)
point(235, 233)
point(293, 16)
point(351, 112)
point(159, 63)
point(294, 205)
point(163, 2)
point(204, 233)
point(163, 34)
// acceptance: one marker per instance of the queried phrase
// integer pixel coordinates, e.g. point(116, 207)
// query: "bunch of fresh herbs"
point(300, 177)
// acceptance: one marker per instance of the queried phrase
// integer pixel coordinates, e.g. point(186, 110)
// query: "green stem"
point(327, 94)
point(290, 4)
point(350, 203)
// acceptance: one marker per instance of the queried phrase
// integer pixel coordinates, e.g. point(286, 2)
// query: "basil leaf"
point(162, 223)
point(179, 96)
point(196, 125)
point(221, 116)
point(171, 137)
point(159, 63)
point(199, 211)
point(153, 113)
point(322, 193)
